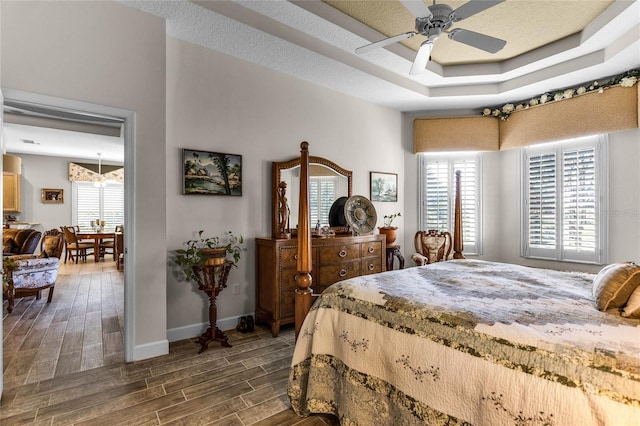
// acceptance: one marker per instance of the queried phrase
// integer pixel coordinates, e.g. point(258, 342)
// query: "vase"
point(390, 232)
point(214, 256)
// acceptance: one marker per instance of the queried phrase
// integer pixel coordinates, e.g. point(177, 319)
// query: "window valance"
point(87, 172)
point(611, 110)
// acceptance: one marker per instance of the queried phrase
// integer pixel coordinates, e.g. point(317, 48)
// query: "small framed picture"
point(52, 196)
point(384, 186)
point(211, 173)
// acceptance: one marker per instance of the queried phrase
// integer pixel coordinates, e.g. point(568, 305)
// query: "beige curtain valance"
point(82, 172)
point(456, 134)
point(615, 109)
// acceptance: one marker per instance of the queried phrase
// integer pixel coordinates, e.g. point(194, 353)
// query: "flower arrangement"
point(192, 256)
point(626, 79)
point(388, 219)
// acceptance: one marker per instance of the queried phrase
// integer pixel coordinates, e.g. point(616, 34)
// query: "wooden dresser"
point(334, 259)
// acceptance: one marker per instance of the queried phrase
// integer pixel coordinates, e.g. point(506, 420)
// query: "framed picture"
point(52, 196)
point(211, 173)
point(384, 186)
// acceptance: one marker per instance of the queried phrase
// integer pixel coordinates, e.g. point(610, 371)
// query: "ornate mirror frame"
point(278, 167)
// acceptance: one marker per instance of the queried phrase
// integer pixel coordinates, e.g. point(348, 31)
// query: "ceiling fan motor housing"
point(440, 20)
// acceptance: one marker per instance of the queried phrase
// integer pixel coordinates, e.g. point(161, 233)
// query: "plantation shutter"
point(579, 210)
point(113, 205)
point(542, 201)
point(322, 192)
point(91, 203)
point(436, 205)
point(438, 196)
point(469, 198)
point(564, 199)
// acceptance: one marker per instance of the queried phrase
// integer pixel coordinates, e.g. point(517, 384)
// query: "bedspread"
point(467, 342)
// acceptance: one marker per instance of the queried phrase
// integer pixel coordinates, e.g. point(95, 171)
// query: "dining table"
point(97, 237)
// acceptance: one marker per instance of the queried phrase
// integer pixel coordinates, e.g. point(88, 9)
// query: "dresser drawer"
point(329, 274)
point(372, 248)
point(371, 265)
point(339, 253)
point(288, 256)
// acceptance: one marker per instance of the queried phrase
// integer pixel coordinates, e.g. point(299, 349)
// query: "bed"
point(466, 342)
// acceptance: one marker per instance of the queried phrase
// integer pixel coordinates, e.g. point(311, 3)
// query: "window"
point(437, 182)
point(93, 203)
point(322, 192)
point(564, 186)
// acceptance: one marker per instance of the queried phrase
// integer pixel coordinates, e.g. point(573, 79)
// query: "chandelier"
point(100, 180)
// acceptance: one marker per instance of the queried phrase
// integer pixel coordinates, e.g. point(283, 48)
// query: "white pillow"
point(632, 309)
point(614, 284)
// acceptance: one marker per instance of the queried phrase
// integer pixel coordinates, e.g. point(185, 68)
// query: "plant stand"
point(212, 279)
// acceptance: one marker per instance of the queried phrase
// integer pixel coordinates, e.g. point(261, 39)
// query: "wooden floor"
point(63, 365)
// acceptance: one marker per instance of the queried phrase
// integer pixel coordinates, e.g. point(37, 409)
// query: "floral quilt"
point(467, 342)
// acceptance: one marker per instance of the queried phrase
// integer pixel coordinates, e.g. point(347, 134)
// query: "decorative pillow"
point(614, 284)
point(632, 309)
point(50, 245)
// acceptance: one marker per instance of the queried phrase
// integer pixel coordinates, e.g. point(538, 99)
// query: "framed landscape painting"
point(211, 173)
point(384, 186)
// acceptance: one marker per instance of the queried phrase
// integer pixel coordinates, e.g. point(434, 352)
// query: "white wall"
point(106, 54)
point(219, 103)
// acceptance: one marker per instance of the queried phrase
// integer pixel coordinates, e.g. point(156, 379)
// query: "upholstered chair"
point(27, 274)
point(19, 241)
point(432, 246)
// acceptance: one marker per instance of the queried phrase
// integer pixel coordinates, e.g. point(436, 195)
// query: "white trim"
point(193, 330)
point(151, 350)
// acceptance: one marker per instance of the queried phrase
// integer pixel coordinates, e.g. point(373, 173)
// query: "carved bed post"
point(303, 278)
point(457, 226)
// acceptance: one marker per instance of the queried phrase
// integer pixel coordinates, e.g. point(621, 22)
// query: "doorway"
point(84, 117)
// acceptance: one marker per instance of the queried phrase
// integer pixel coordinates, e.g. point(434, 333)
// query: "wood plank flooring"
point(61, 369)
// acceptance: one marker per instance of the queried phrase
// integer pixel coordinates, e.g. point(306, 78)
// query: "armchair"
point(28, 274)
point(432, 246)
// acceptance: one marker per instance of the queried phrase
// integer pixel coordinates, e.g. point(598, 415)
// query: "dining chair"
point(73, 247)
point(119, 250)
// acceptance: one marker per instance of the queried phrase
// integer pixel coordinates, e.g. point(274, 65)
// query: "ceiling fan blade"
point(422, 57)
point(418, 8)
point(477, 40)
point(472, 7)
point(385, 42)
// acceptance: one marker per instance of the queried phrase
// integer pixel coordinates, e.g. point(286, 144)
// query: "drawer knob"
point(371, 249)
point(342, 253)
point(371, 266)
point(342, 273)
point(295, 257)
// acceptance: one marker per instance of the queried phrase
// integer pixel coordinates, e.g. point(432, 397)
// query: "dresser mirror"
point(327, 183)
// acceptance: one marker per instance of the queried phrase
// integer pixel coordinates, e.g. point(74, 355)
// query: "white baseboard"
point(151, 350)
point(194, 330)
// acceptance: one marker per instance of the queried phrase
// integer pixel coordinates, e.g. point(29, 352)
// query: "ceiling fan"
point(431, 21)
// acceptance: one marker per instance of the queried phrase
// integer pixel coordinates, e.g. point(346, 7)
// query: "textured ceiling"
point(544, 23)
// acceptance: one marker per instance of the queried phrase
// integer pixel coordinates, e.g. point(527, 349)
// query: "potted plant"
point(387, 229)
point(209, 251)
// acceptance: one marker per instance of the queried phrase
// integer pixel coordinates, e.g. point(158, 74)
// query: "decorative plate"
point(336, 212)
point(360, 214)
